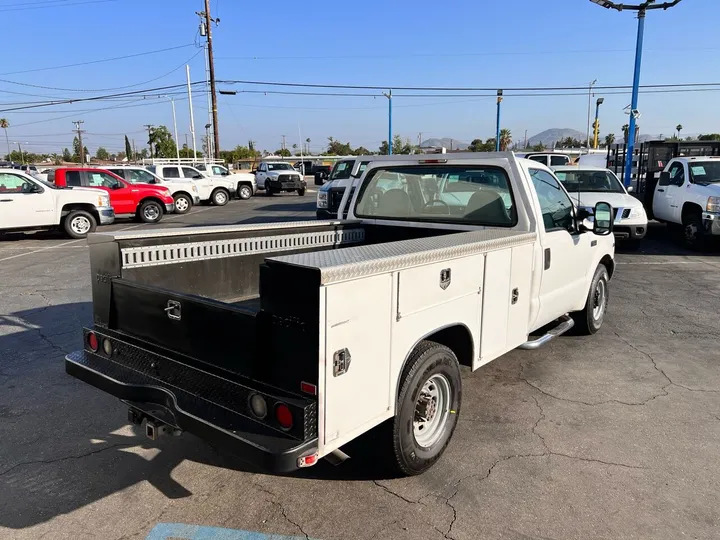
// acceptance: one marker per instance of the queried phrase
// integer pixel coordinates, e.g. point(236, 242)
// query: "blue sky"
point(386, 43)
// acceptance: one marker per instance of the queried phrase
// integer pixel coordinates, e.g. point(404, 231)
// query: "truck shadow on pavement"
point(66, 445)
point(308, 206)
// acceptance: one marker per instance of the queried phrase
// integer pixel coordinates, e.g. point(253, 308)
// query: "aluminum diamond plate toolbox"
point(354, 262)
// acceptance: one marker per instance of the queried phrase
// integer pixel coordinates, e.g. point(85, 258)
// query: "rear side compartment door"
point(357, 356)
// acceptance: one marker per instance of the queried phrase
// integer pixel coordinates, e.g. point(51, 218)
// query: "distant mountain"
point(448, 143)
point(550, 136)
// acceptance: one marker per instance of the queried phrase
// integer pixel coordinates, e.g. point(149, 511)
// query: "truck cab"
point(550, 159)
point(688, 195)
point(331, 193)
point(215, 189)
point(441, 263)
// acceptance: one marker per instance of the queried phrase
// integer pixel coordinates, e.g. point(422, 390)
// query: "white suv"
point(211, 188)
point(183, 190)
point(30, 204)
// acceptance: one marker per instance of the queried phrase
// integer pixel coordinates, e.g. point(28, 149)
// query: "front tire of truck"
point(590, 319)
point(220, 197)
point(427, 407)
point(79, 223)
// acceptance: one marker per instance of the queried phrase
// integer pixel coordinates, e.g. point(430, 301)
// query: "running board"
point(565, 323)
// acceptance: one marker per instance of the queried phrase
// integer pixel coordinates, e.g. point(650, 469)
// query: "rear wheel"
point(79, 223)
point(427, 407)
point(150, 212)
point(183, 204)
point(589, 320)
point(220, 197)
point(244, 192)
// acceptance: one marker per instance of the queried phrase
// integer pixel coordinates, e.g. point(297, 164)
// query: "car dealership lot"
point(614, 436)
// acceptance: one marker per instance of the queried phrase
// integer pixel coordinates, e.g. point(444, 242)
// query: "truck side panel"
point(496, 306)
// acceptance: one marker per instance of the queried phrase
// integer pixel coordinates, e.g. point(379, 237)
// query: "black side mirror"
point(664, 179)
point(603, 219)
point(117, 185)
point(198, 177)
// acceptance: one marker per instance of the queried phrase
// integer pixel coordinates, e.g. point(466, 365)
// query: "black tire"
point(301, 192)
point(244, 191)
point(428, 360)
point(79, 223)
point(183, 203)
point(150, 212)
point(587, 321)
point(220, 197)
point(268, 191)
point(694, 236)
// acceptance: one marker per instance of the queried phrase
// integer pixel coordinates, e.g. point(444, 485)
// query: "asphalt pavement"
point(613, 436)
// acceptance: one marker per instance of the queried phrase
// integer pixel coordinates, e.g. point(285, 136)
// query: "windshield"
point(589, 181)
point(46, 183)
point(140, 176)
point(467, 195)
point(279, 167)
point(342, 170)
point(705, 172)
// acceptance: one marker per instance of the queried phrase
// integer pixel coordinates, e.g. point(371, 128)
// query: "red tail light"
point(283, 416)
point(92, 342)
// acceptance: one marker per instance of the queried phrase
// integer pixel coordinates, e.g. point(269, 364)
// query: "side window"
point(218, 171)
point(171, 172)
point(137, 176)
point(73, 178)
point(677, 174)
point(10, 183)
point(101, 179)
point(261, 168)
point(119, 172)
point(189, 173)
point(559, 160)
point(555, 205)
point(540, 159)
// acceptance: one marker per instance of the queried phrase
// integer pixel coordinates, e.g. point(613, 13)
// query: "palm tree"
point(626, 130)
point(678, 128)
point(308, 145)
point(609, 139)
point(505, 139)
point(5, 125)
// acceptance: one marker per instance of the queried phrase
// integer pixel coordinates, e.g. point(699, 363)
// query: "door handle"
point(547, 258)
point(6, 200)
point(661, 190)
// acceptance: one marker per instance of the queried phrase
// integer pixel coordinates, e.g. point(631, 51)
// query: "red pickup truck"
point(146, 202)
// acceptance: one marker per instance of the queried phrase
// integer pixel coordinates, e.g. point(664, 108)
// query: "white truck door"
point(22, 207)
point(204, 184)
point(260, 175)
point(565, 252)
point(668, 193)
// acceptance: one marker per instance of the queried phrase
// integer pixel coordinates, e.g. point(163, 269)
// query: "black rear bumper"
point(209, 420)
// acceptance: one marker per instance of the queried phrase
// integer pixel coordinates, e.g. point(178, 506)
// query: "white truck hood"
point(84, 194)
point(713, 190)
point(616, 200)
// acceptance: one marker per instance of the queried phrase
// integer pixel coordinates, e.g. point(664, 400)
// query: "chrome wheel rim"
point(220, 197)
point(80, 225)
point(432, 409)
point(245, 192)
point(599, 299)
point(151, 212)
point(181, 204)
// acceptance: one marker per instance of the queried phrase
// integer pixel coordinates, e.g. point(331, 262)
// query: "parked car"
point(549, 159)
point(145, 202)
point(590, 185)
point(688, 196)
point(184, 191)
point(214, 189)
point(310, 334)
point(30, 204)
point(277, 176)
point(330, 195)
point(212, 169)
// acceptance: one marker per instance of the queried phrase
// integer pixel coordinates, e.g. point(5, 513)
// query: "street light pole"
point(389, 96)
point(497, 121)
point(177, 142)
point(634, 114)
point(589, 110)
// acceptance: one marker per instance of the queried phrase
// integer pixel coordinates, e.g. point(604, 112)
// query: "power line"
point(36, 7)
point(99, 61)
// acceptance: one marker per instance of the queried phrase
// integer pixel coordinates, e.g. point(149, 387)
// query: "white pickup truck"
point(214, 189)
point(30, 204)
point(319, 331)
point(688, 195)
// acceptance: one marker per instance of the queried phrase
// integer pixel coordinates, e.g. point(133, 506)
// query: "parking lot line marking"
point(166, 531)
point(40, 250)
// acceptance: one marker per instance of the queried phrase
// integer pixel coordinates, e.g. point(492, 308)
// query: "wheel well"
point(245, 183)
point(609, 263)
point(67, 208)
point(182, 193)
point(219, 189)
point(457, 338)
point(690, 208)
point(153, 199)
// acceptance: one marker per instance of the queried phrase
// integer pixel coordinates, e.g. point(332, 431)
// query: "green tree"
point(284, 152)
point(162, 141)
point(336, 148)
point(66, 155)
point(625, 130)
point(678, 128)
point(76, 150)
point(102, 154)
point(128, 149)
point(505, 139)
point(56, 158)
point(144, 153)
point(539, 147)
point(399, 146)
point(4, 124)
point(709, 137)
point(609, 139)
point(361, 151)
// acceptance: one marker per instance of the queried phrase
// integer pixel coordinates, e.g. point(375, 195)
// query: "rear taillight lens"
point(283, 416)
point(92, 342)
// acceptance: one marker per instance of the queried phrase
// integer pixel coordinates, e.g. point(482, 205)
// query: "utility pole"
point(211, 68)
point(79, 134)
point(134, 156)
point(525, 140)
point(390, 142)
point(282, 145)
point(497, 121)
point(592, 83)
point(149, 128)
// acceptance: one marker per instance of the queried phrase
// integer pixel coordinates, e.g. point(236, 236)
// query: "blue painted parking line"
point(181, 531)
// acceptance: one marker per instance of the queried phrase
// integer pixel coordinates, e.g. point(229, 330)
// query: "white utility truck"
point(31, 204)
point(315, 332)
point(688, 195)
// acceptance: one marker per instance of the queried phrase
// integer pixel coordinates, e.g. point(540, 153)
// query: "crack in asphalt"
point(65, 458)
point(280, 506)
point(391, 492)
point(383, 529)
